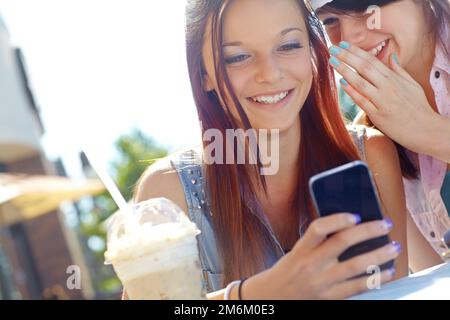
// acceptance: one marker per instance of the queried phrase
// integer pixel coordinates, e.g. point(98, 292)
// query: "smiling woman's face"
point(268, 60)
point(403, 30)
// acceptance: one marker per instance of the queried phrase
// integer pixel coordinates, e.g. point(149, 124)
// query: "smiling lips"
point(377, 50)
point(271, 99)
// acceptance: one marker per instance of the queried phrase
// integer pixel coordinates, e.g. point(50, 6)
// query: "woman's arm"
point(383, 161)
point(436, 138)
point(311, 269)
point(435, 129)
point(161, 180)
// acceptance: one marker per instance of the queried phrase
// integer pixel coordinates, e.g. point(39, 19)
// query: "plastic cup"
point(154, 252)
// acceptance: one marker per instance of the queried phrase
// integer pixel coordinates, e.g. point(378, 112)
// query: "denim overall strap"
point(188, 165)
point(358, 133)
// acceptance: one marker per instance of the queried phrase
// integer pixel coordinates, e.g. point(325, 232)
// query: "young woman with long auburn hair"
point(263, 64)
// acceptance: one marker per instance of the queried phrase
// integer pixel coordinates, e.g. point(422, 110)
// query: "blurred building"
point(35, 253)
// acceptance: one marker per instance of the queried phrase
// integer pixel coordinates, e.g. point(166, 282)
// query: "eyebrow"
point(320, 11)
point(282, 33)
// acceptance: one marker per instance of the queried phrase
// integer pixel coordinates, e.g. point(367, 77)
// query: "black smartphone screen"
point(349, 189)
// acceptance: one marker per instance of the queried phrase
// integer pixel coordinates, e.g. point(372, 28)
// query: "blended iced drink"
point(154, 252)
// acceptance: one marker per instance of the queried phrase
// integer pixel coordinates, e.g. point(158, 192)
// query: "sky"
point(99, 68)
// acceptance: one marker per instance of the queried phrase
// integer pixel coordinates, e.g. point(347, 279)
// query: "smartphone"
point(350, 189)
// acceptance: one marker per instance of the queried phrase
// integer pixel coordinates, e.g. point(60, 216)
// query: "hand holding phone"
point(350, 189)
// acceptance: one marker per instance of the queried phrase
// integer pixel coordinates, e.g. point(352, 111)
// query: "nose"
point(269, 71)
point(353, 30)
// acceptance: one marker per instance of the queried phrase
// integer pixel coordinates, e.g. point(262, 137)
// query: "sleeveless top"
point(188, 165)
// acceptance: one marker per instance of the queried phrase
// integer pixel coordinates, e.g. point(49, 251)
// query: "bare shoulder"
point(161, 180)
point(382, 159)
point(380, 150)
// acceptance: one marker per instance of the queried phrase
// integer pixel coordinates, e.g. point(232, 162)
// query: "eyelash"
point(292, 46)
point(236, 59)
point(242, 57)
point(330, 21)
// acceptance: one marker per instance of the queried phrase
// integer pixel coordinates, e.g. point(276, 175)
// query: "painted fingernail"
point(392, 271)
point(357, 218)
point(395, 56)
point(344, 45)
point(344, 82)
point(396, 247)
point(335, 62)
point(388, 225)
point(335, 50)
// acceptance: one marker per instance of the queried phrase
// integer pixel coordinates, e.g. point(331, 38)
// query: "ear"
point(207, 83)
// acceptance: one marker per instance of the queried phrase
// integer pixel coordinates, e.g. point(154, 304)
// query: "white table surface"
point(429, 284)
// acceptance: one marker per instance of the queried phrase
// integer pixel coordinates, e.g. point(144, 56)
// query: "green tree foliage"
point(135, 152)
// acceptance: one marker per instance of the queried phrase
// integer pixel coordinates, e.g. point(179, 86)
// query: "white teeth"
point(377, 50)
point(271, 99)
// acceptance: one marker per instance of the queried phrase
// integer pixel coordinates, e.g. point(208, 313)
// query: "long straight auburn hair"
point(242, 239)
